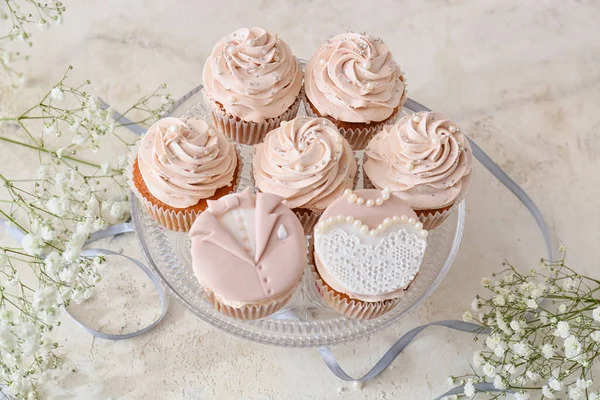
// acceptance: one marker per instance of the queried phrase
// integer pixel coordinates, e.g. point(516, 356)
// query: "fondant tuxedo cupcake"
point(248, 253)
point(369, 246)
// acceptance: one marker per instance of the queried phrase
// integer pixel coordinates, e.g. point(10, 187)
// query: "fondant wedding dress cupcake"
point(368, 248)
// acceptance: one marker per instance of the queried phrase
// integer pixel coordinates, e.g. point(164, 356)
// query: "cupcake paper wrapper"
point(179, 221)
point(358, 137)
point(245, 132)
point(434, 218)
point(352, 308)
point(250, 311)
point(308, 218)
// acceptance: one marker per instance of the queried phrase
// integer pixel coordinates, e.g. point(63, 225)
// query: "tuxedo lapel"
point(218, 235)
point(265, 221)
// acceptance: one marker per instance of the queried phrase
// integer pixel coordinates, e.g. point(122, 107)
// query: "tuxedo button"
point(259, 267)
point(265, 280)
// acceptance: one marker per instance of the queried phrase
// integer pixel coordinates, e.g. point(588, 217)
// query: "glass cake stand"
point(305, 321)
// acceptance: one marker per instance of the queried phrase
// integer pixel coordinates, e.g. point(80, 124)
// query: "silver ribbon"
point(108, 232)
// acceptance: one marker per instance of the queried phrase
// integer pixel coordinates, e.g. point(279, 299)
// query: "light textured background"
point(521, 77)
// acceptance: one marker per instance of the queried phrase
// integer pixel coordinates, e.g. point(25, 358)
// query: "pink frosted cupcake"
point(248, 254)
point(178, 166)
point(308, 163)
point(369, 247)
point(252, 82)
point(426, 160)
point(353, 81)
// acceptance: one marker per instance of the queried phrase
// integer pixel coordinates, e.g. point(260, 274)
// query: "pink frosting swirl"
point(253, 74)
point(353, 78)
point(424, 158)
point(306, 161)
point(184, 161)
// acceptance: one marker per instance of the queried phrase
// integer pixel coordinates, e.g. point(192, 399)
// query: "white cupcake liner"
point(249, 311)
point(173, 220)
point(433, 218)
point(246, 132)
point(351, 308)
point(308, 218)
point(358, 137)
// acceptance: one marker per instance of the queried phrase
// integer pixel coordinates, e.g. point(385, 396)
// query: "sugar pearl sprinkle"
point(326, 224)
point(354, 198)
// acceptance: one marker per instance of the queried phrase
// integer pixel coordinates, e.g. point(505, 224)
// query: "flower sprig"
point(544, 333)
point(22, 15)
point(54, 212)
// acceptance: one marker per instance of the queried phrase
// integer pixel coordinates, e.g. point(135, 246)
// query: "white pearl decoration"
point(327, 223)
point(452, 129)
point(299, 168)
point(410, 166)
point(416, 119)
point(435, 139)
point(354, 198)
point(174, 129)
point(231, 99)
point(231, 49)
point(250, 42)
point(302, 146)
point(370, 85)
point(366, 64)
point(322, 61)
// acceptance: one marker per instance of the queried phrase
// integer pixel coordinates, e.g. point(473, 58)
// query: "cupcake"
point(252, 82)
point(369, 247)
point(248, 254)
point(426, 160)
point(308, 163)
point(353, 81)
point(178, 166)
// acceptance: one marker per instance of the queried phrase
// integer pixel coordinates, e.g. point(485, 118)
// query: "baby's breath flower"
point(469, 389)
point(475, 305)
point(567, 284)
point(500, 382)
point(486, 282)
point(562, 308)
point(477, 359)
point(489, 370)
point(547, 351)
point(562, 329)
point(596, 314)
point(594, 396)
point(572, 347)
point(522, 395)
point(555, 384)
point(532, 304)
point(60, 152)
point(57, 94)
point(467, 317)
point(499, 300)
point(533, 376)
point(32, 244)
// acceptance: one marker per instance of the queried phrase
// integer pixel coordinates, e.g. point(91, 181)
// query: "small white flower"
point(44, 171)
point(521, 395)
point(451, 380)
point(486, 282)
point(68, 274)
point(59, 19)
point(595, 336)
point(47, 232)
point(32, 244)
point(57, 94)
point(469, 389)
point(99, 224)
point(54, 206)
point(532, 304)
point(562, 308)
point(594, 396)
point(489, 370)
point(500, 383)
point(572, 347)
point(78, 296)
point(499, 300)
point(547, 351)
point(514, 325)
point(596, 314)
point(467, 317)
point(492, 341)
point(104, 168)
point(522, 350)
point(510, 368)
point(555, 384)
point(74, 127)
point(562, 329)
point(500, 350)
point(477, 359)
point(45, 297)
point(502, 324)
point(53, 262)
point(544, 317)
point(60, 152)
point(547, 392)
point(576, 393)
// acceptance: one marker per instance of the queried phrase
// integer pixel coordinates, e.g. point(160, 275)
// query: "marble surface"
point(521, 78)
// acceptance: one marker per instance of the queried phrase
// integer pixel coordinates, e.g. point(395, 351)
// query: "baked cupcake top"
point(353, 78)
point(369, 245)
point(247, 248)
point(306, 161)
point(424, 158)
point(184, 161)
point(252, 74)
